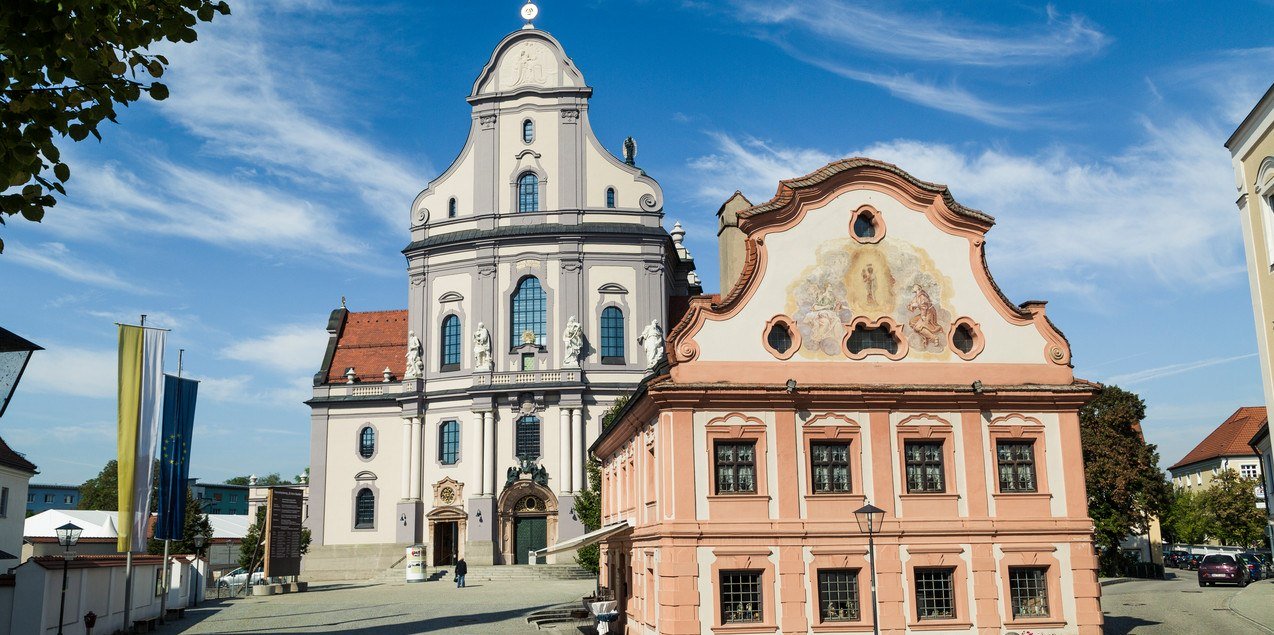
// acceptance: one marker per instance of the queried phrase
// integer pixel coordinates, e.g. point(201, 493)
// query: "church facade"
point(860, 354)
point(539, 278)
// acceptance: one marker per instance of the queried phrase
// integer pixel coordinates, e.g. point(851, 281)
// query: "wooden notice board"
point(283, 532)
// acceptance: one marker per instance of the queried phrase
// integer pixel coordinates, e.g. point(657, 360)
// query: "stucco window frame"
point(848, 431)
point(979, 342)
point(866, 322)
point(358, 441)
point(624, 315)
point(939, 557)
point(364, 480)
point(1032, 556)
point(877, 221)
point(459, 442)
point(744, 559)
point(927, 428)
point(542, 181)
point(442, 343)
point(792, 331)
point(515, 352)
point(1020, 428)
point(727, 505)
point(840, 558)
point(1263, 187)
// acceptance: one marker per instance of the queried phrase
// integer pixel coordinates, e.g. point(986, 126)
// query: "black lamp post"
point(15, 352)
point(199, 540)
point(68, 535)
point(870, 518)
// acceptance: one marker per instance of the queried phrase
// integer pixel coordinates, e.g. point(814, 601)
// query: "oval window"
point(865, 225)
point(963, 338)
point(528, 131)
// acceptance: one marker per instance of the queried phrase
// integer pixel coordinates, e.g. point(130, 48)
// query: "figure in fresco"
point(823, 318)
point(924, 319)
point(869, 283)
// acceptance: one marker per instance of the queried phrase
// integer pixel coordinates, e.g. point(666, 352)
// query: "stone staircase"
point(524, 572)
point(564, 618)
point(330, 563)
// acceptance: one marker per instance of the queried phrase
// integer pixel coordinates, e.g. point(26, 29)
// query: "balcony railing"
point(527, 377)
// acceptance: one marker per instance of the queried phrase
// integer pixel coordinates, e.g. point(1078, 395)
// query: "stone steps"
point(561, 618)
point(350, 562)
point(528, 572)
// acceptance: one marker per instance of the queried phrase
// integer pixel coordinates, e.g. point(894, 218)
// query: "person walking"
point(461, 569)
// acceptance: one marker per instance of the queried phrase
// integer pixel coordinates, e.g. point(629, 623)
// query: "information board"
point(283, 532)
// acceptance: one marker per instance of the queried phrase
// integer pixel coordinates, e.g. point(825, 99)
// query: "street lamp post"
point(870, 518)
point(15, 352)
point(199, 540)
point(68, 535)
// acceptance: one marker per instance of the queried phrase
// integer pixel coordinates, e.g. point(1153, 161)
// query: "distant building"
point(101, 533)
point(1260, 442)
point(45, 497)
point(1226, 448)
point(219, 498)
point(15, 474)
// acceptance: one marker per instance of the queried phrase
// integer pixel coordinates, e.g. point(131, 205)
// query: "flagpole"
point(163, 600)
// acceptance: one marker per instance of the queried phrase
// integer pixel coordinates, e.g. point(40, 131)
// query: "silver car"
point(239, 577)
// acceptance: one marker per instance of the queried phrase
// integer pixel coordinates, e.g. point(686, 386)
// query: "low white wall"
point(98, 588)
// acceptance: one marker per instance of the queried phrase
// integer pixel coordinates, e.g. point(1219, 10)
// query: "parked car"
point(239, 576)
point(1222, 567)
point(1267, 562)
point(1176, 559)
point(1191, 562)
point(1255, 568)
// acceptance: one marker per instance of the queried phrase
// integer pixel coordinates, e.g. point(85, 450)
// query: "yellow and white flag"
point(141, 394)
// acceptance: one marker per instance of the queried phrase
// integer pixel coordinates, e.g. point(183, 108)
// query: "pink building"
point(860, 352)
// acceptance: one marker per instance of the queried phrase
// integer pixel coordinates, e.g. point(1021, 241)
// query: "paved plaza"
point(394, 608)
point(1180, 606)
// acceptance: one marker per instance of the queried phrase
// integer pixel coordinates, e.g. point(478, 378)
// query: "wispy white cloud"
point(931, 38)
point(1128, 379)
point(290, 349)
point(56, 258)
point(72, 370)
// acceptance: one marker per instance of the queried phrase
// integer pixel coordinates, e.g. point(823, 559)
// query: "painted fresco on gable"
point(892, 278)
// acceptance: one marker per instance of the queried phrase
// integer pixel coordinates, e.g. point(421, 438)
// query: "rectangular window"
point(234, 498)
point(528, 362)
point(838, 595)
point(449, 442)
point(935, 597)
point(740, 597)
point(1017, 465)
point(528, 438)
point(612, 336)
point(30, 498)
point(924, 467)
point(1247, 471)
point(829, 466)
point(48, 498)
point(216, 497)
point(1028, 590)
point(4, 502)
point(736, 467)
point(67, 499)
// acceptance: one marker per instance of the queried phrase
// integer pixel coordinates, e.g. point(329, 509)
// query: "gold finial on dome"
point(529, 11)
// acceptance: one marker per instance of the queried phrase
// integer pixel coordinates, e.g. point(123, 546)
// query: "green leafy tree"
point(269, 479)
point(1187, 520)
point(196, 522)
point(1230, 504)
point(102, 491)
point(252, 549)
point(64, 67)
point(237, 480)
point(1126, 489)
point(588, 503)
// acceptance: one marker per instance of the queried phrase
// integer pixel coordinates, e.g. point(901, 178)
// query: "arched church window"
point(527, 438)
point(779, 337)
point(450, 344)
point(451, 208)
point(528, 192)
point(365, 509)
point(367, 442)
point(610, 198)
point(528, 131)
point(878, 338)
point(612, 335)
point(449, 442)
point(529, 311)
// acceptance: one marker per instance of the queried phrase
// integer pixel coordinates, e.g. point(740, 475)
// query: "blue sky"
point(278, 176)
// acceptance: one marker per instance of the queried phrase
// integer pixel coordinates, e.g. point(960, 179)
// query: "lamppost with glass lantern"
point(199, 541)
point(15, 352)
point(68, 535)
point(870, 518)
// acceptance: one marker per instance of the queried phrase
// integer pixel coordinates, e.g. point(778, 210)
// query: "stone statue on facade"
point(481, 348)
point(573, 338)
point(415, 364)
point(652, 339)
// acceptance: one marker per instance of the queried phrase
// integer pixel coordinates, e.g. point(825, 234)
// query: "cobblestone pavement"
point(385, 609)
point(1180, 605)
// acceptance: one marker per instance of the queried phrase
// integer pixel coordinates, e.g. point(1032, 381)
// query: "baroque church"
point(539, 280)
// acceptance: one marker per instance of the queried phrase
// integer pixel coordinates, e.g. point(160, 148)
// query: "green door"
point(529, 533)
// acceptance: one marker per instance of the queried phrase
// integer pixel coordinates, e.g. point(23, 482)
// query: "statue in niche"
point(573, 338)
point(482, 348)
point(415, 365)
point(652, 340)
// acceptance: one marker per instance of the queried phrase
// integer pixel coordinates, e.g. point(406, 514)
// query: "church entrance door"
point(445, 543)
point(530, 533)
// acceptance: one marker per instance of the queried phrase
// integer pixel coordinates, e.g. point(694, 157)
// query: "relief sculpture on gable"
point(892, 279)
point(528, 64)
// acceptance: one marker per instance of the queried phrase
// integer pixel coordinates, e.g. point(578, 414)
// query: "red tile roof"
point(12, 459)
point(370, 342)
point(1229, 439)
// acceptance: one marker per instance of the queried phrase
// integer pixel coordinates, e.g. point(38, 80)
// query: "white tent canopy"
point(587, 539)
point(101, 524)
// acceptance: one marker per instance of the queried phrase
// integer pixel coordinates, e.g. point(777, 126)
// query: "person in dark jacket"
point(461, 569)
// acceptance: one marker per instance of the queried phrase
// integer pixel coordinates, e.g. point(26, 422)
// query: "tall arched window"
point(528, 192)
point(449, 347)
point(364, 509)
point(612, 335)
point(451, 208)
point(528, 131)
point(449, 442)
point(610, 197)
point(367, 442)
point(527, 438)
point(529, 312)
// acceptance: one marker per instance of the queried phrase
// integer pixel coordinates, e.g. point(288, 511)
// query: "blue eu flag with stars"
point(174, 457)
